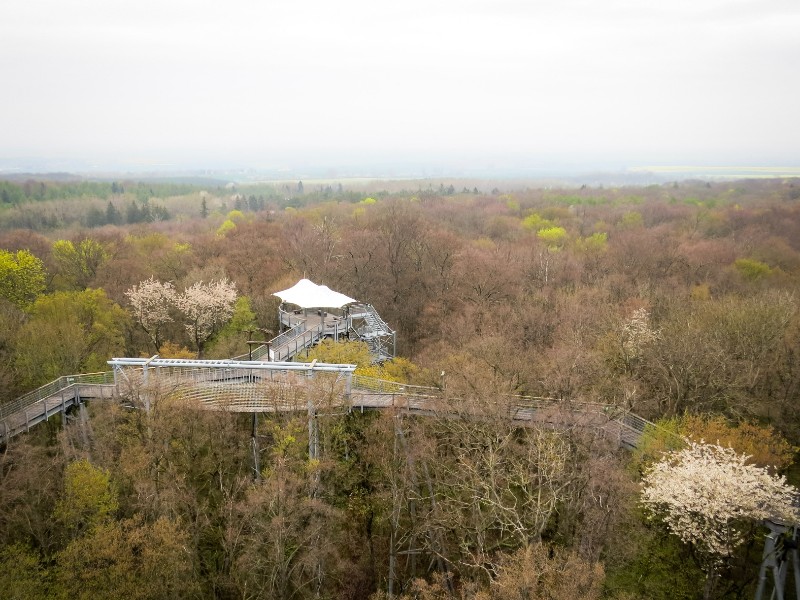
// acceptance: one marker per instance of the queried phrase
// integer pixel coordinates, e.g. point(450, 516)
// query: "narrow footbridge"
point(319, 388)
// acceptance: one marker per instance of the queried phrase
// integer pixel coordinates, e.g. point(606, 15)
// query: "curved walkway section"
point(258, 386)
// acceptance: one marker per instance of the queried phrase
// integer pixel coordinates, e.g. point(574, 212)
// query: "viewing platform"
point(310, 313)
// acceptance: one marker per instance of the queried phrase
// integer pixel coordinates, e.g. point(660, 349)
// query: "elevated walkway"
point(256, 387)
point(58, 396)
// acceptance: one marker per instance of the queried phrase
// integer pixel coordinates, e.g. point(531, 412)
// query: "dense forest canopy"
point(678, 302)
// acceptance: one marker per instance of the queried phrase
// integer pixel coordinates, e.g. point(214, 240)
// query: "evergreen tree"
point(113, 216)
point(133, 214)
point(95, 217)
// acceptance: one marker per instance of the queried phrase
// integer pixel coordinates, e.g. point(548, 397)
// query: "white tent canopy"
point(307, 294)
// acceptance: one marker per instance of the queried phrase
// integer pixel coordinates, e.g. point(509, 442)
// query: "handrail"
point(260, 352)
point(368, 309)
point(631, 423)
point(257, 354)
point(384, 325)
point(304, 339)
point(289, 334)
point(373, 384)
point(52, 388)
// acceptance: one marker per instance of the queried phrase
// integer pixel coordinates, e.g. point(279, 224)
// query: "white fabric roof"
point(307, 294)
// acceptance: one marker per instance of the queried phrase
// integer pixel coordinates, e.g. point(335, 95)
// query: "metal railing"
point(51, 389)
point(290, 346)
point(639, 425)
point(372, 317)
point(289, 334)
point(383, 386)
point(631, 426)
point(257, 353)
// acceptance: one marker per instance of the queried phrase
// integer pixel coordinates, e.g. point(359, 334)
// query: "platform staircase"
point(361, 322)
point(368, 326)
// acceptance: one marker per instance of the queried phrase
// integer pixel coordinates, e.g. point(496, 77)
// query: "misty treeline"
point(677, 302)
point(57, 204)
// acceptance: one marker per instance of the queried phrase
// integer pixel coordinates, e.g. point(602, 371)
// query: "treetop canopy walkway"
point(262, 387)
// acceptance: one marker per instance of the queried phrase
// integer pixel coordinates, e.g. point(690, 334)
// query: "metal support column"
point(780, 548)
point(256, 449)
point(146, 393)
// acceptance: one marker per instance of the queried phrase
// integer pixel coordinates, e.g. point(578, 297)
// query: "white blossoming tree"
point(206, 307)
point(151, 301)
point(636, 335)
point(707, 495)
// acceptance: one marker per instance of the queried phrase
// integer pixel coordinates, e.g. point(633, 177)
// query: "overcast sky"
point(263, 84)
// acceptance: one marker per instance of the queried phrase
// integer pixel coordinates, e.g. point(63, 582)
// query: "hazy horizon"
point(474, 86)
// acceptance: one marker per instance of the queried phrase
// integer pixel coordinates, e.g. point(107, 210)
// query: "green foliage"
point(230, 341)
point(344, 353)
point(89, 498)
point(289, 445)
point(554, 237)
point(226, 227)
point(567, 199)
point(631, 220)
point(535, 222)
point(751, 269)
point(127, 559)
point(500, 315)
point(243, 316)
point(597, 243)
point(657, 567)
point(68, 333)
point(78, 263)
point(765, 446)
point(22, 277)
point(399, 369)
point(665, 435)
point(356, 353)
point(22, 576)
point(12, 193)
